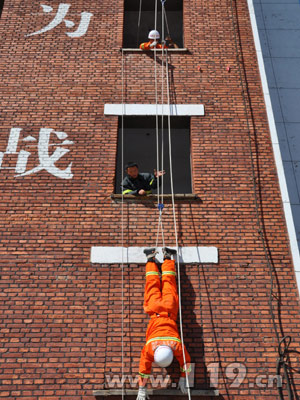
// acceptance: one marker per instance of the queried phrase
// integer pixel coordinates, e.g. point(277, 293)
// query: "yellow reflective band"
point(164, 338)
point(148, 191)
point(151, 182)
point(188, 370)
point(169, 273)
point(152, 273)
point(127, 191)
point(144, 375)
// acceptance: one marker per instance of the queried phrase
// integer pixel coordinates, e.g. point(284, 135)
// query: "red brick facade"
point(61, 315)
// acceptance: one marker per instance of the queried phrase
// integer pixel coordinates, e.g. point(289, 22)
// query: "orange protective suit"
point(161, 303)
point(146, 46)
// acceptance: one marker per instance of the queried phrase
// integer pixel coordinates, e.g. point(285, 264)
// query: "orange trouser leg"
point(169, 288)
point(152, 296)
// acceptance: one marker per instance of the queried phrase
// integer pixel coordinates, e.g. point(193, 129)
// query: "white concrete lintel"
point(135, 255)
point(176, 110)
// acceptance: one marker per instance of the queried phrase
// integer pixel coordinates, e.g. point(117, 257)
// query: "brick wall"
point(61, 318)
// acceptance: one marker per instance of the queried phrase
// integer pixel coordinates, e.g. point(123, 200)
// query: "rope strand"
point(156, 119)
point(161, 198)
point(175, 228)
point(122, 222)
point(162, 99)
point(139, 23)
point(156, 103)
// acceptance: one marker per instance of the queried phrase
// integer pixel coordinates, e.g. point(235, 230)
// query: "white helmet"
point(154, 35)
point(163, 356)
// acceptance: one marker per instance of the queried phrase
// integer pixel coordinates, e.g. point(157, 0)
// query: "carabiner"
point(160, 206)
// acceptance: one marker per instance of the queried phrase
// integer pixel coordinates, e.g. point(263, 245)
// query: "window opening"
point(1, 6)
point(139, 21)
point(140, 147)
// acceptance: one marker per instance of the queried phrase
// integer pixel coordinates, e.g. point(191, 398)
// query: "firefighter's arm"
point(185, 368)
point(142, 394)
point(127, 189)
point(152, 181)
point(156, 178)
point(145, 367)
point(154, 44)
point(160, 46)
point(145, 46)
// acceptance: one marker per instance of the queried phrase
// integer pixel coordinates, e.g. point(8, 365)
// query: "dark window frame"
point(134, 36)
point(1, 6)
point(140, 146)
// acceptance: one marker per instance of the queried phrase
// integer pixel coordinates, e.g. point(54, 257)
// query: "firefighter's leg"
point(152, 296)
point(169, 288)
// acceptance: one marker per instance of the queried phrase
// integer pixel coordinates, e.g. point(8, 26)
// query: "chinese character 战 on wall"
point(46, 160)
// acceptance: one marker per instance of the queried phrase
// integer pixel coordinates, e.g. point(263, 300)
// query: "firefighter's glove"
point(153, 44)
point(182, 385)
point(142, 394)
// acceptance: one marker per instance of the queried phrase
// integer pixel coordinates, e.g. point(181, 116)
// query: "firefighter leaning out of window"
point(154, 37)
point(139, 184)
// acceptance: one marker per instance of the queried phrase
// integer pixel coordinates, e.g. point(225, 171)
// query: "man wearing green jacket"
point(139, 184)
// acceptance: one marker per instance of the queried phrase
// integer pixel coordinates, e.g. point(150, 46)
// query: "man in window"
point(162, 338)
point(154, 36)
point(139, 184)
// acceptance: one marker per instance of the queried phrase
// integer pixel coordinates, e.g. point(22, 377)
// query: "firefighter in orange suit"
point(162, 337)
point(154, 36)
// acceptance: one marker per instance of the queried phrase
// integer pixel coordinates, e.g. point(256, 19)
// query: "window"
point(137, 25)
point(140, 147)
point(1, 6)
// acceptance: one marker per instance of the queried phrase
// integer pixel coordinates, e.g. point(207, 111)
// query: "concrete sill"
point(151, 392)
point(134, 50)
point(153, 197)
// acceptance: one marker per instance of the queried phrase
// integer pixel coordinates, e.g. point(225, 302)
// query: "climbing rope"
point(160, 203)
point(160, 227)
point(175, 226)
point(122, 223)
point(139, 23)
point(166, 21)
point(159, 198)
point(156, 102)
point(162, 97)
